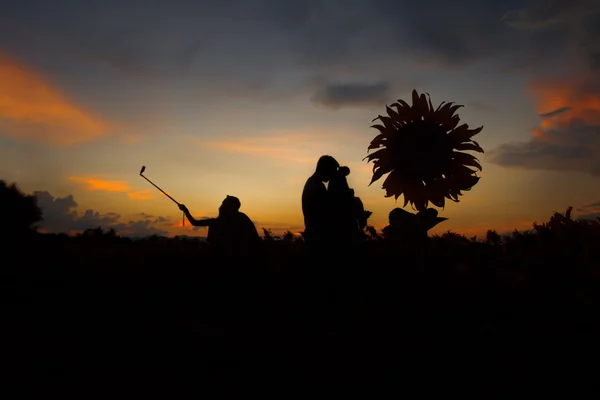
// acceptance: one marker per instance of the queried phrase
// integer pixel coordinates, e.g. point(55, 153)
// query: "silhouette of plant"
point(288, 236)
point(493, 238)
point(456, 238)
point(558, 221)
point(372, 233)
point(19, 211)
point(420, 148)
point(268, 235)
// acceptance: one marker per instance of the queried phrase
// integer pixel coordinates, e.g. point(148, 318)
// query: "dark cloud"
point(353, 94)
point(555, 112)
point(569, 138)
point(591, 211)
point(544, 14)
point(541, 14)
point(145, 215)
point(572, 24)
point(478, 105)
point(570, 142)
point(538, 154)
point(253, 44)
point(60, 216)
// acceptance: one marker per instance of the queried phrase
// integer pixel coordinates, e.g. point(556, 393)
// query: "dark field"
point(102, 315)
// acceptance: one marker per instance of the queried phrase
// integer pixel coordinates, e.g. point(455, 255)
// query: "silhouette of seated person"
point(315, 202)
point(403, 226)
point(232, 233)
point(411, 228)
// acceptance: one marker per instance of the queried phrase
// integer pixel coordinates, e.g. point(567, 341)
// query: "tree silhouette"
point(19, 211)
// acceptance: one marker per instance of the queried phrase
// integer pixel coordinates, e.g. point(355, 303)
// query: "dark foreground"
point(108, 318)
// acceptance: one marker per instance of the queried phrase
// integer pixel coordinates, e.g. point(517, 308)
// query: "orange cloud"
point(95, 184)
point(561, 101)
point(249, 147)
point(187, 227)
point(133, 138)
point(290, 146)
point(567, 138)
point(140, 195)
point(31, 108)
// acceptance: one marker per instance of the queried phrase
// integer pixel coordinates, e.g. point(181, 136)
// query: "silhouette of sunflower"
point(420, 147)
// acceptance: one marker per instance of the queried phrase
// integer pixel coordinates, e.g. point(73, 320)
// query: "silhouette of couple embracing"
point(333, 213)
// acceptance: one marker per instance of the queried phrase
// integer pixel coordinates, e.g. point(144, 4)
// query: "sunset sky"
point(241, 97)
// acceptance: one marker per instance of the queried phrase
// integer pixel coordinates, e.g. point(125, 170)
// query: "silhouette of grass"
point(97, 305)
point(100, 312)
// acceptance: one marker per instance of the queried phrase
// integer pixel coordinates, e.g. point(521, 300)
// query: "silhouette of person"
point(352, 209)
point(315, 201)
point(403, 226)
point(343, 206)
point(411, 229)
point(232, 233)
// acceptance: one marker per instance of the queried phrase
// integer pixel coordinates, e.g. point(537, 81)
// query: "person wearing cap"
point(232, 232)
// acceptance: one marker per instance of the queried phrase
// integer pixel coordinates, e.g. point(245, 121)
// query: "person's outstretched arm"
point(194, 221)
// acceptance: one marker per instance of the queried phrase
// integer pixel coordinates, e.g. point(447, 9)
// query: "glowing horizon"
point(247, 108)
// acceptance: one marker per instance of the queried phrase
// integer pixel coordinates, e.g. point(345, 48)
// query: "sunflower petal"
point(430, 105)
point(415, 99)
point(379, 153)
point(402, 103)
point(382, 129)
point(464, 134)
point(466, 159)
point(393, 114)
point(444, 107)
point(404, 111)
point(384, 161)
point(411, 191)
point(387, 121)
point(468, 182)
point(423, 105)
point(469, 147)
point(377, 141)
point(435, 193)
point(454, 108)
point(446, 114)
point(461, 171)
point(377, 175)
point(394, 183)
point(438, 201)
point(452, 122)
point(392, 191)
